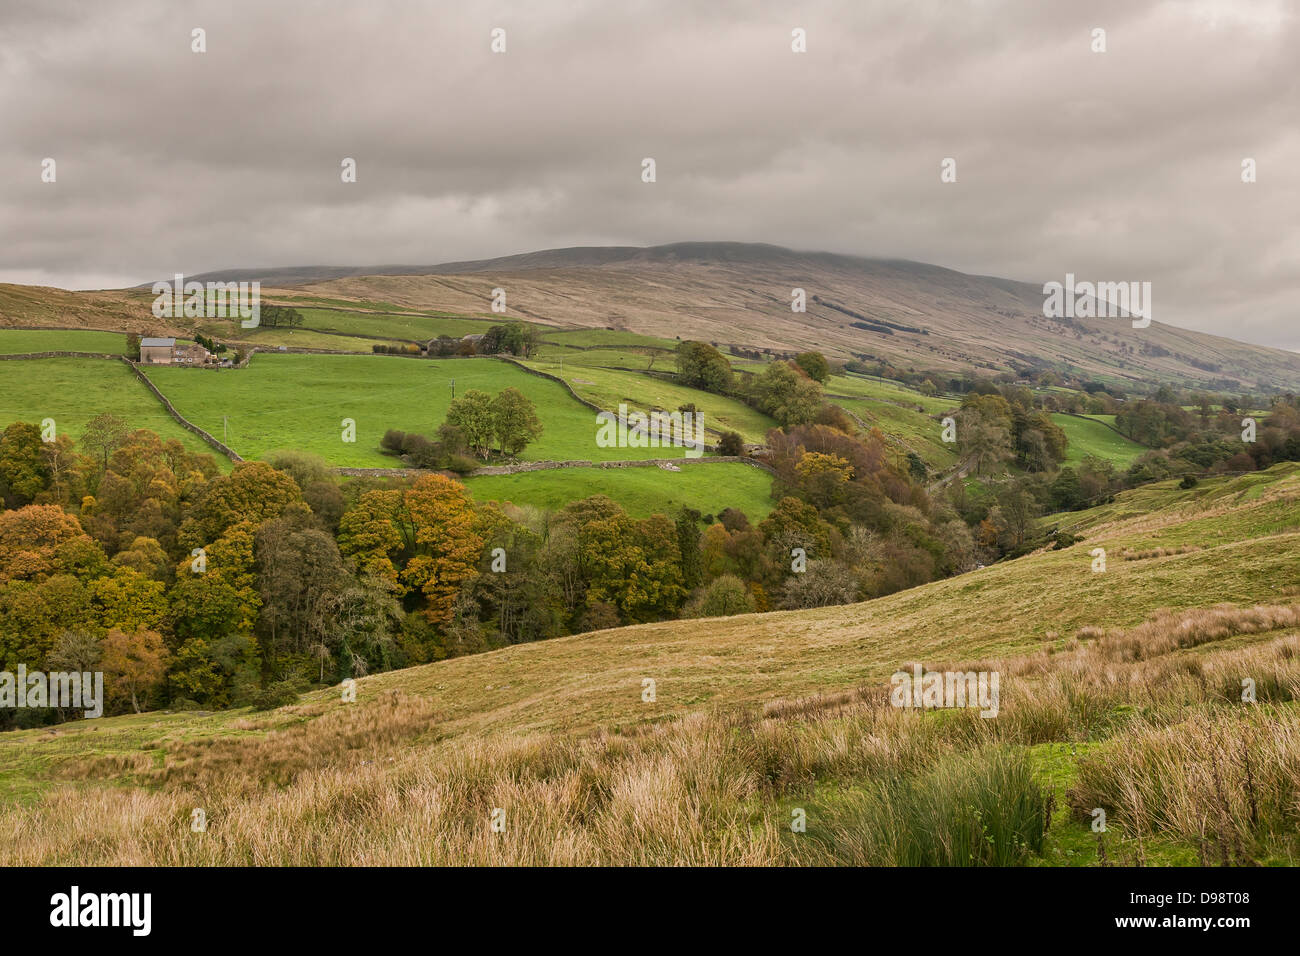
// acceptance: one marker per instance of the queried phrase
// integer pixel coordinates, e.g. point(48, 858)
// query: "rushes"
point(1228, 784)
point(976, 809)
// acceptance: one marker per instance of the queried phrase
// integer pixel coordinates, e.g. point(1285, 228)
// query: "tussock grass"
point(1227, 784)
point(1141, 706)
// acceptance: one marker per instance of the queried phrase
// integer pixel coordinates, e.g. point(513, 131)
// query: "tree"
point(823, 478)
point(253, 491)
point(514, 421)
point(814, 365)
point(40, 540)
point(688, 545)
point(370, 534)
point(634, 565)
point(134, 663)
point(787, 395)
point(472, 414)
point(448, 542)
point(731, 444)
point(725, 596)
point(24, 473)
point(103, 435)
point(300, 576)
point(700, 365)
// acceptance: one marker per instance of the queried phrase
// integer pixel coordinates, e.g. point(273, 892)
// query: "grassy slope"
point(609, 387)
point(73, 391)
point(17, 341)
point(298, 401)
point(1094, 438)
point(1249, 530)
point(642, 491)
point(530, 706)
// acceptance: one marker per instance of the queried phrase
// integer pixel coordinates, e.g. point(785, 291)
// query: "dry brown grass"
point(372, 782)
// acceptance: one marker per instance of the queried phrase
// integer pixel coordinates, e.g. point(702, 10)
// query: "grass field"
point(641, 491)
point(417, 328)
point(299, 338)
point(1094, 438)
point(883, 390)
point(73, 391)
point(299, 401)
point(1116, 690)
point(18, 341)
point(609, 387)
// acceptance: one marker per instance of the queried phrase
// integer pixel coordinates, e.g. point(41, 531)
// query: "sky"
point(1123, 165)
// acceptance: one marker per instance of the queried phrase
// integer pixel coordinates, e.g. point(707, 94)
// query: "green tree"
point(787, 395)
point(815, 365)
point(514, 421)
point(700, 365)
point(473, 415)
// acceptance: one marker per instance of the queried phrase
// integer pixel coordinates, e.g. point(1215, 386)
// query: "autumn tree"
point(24, 472)
point(448, 542)
point(40, 540)
point(253, 491)
point(135, 664)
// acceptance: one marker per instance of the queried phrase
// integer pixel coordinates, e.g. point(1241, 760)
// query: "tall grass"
point(977, 809)
point(380, 781)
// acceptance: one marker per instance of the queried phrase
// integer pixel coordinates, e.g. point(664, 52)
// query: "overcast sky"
point(1123, 165)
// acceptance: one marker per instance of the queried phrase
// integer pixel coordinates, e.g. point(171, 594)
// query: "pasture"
point(73, 391)
point(641, 491)
point(300, 401)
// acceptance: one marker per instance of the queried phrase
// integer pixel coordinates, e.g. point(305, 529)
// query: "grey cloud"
point(1116, 166)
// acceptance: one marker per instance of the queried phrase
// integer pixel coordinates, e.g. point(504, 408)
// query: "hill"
point(1115, 688)
point(911, 314)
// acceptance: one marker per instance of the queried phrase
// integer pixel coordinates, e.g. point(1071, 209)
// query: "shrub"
point(724, 597)
point(731, 444)
point(280, 694)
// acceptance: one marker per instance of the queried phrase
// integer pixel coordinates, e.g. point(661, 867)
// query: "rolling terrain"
point(910, 314)
point(1115, 687)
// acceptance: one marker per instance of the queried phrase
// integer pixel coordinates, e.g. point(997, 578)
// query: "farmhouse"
point(165, 351)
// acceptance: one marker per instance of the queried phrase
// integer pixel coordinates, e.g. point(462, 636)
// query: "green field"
point(73, 391)
point(18, 341)
point(884, 390)
point(610, 387)
point(1092, 437)
point(298, 338)
point(300, 401)
point(417, 328)
point(641, 491)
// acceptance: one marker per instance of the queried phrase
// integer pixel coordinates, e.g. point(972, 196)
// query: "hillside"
point(756, 716)
point(912, 314)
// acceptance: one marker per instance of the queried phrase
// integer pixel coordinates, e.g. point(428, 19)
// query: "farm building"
point(165, 351)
